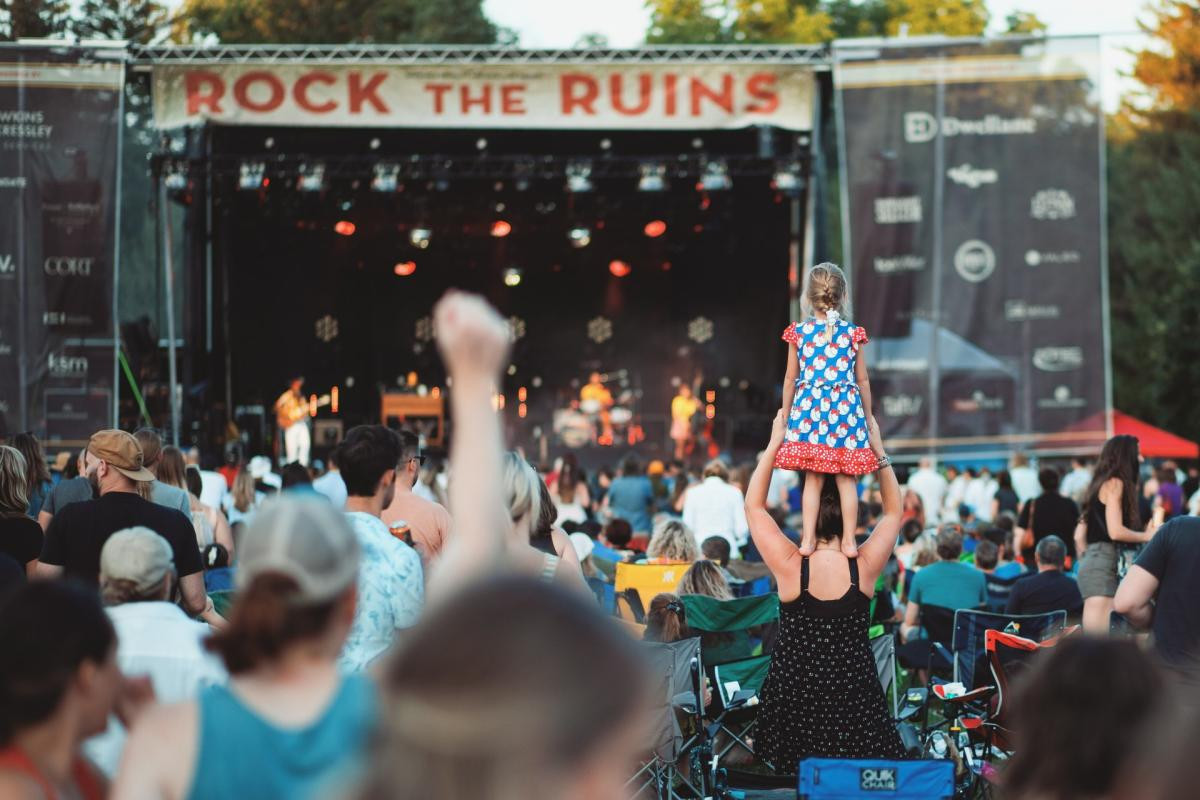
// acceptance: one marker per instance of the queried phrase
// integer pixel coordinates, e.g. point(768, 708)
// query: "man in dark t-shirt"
point(78, 532)
point(1048, 590)
point(1161, 592)
point(1051, 514)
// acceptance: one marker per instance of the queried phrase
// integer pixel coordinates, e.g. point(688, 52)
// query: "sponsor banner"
point(59, 118)
point(972, 233)
point(598, 96)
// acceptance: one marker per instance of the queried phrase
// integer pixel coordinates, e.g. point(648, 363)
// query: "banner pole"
point(116, 269)
point(169, 276)
point(939, 167)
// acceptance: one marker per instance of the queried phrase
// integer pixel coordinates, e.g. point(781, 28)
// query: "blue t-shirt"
point(949, 584)
point(1010, 570)
point(631, 498)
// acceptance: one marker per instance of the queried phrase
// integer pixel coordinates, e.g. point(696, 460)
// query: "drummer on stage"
point(595, 399)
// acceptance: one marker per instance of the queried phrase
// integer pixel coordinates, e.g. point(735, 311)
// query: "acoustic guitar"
point(288, 414)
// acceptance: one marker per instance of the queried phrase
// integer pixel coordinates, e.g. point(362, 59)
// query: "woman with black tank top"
point(1109, 521)
point(822, 696)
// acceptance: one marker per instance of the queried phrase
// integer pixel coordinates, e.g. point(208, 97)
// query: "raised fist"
point(471, 336)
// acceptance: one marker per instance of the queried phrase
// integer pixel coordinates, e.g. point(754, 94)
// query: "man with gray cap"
point(76, 536)
point(154, 637)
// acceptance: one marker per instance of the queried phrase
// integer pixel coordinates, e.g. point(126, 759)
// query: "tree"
point(1024, 22)
point(951, 17)
point(33, 19)
point(1171, 72)
point(132, 20)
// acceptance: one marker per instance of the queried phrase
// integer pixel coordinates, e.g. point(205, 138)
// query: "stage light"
point(501, 228)
point(653, 177)
point(386, 177)
point(579, 237)
point(345, 227)
point(619, 268)
point(512, 277)
point(420, 238)
point(655, 228)
point(715, 177)
point(312, 177)
point(176, 177)
point(579, 176)
point(252, 175)
point(405, 268)
point(788, 178)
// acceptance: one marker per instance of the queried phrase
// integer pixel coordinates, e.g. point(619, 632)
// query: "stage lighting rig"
point(252, 175)
point(788, 178)
point(420, 238)
point(512, 277)
point(715, 177)
point(579, 237)
point(579, 176)
point(312, 177)
point(653, 177)
point(385, 177)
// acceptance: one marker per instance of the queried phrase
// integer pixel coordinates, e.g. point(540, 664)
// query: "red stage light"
point(345, 227)
point(619, 268)
point(405, 268)
point(655, 228)
point(500, 229)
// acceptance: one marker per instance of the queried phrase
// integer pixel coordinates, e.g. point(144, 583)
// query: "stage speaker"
point(327, 433)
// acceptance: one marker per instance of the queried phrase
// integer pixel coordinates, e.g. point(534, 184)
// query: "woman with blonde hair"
point(243, 500)
point(672, 543)
point(210, 524)
point(705, 578)
point(532, 513)
point(20, 536)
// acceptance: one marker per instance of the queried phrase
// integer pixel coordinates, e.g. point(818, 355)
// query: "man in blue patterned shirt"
point(391, 589)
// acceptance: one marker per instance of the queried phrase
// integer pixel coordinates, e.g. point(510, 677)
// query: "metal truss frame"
point(145, 57)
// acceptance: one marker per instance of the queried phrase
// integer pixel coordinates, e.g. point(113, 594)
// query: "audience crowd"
point(393, 625)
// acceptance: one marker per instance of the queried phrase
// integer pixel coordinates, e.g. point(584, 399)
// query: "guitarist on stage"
point(291, 412)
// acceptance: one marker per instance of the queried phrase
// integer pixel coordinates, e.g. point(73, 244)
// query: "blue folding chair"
point(971, 627)
point(856, 779)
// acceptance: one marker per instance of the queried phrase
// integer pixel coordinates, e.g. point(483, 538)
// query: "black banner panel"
point(973, 227)
point(59, 139)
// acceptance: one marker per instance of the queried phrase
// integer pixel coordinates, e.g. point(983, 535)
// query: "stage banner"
point(59, 135)
point(973, 226)
point(553, 96)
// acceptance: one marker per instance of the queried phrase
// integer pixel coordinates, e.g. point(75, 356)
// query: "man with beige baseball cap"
point(77, 534)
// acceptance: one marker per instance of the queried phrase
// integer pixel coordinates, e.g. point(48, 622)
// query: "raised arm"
point(875, 552)
point(473, 340)
point(864, 382)
point(778, 552)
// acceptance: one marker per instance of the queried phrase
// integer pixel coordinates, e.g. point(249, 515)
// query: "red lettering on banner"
point(723, 98)
point(569, 83)
point(300, 92)
point(439, 96)
point(672, 86)
point(366, 92)
point(645, 87)
point(204, 89)
point(484, 100)
point(241, 91)
point(761, 87)
point(510, 102)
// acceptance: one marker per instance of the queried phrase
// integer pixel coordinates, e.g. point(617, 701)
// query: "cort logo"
point(902, 405)
point(978, 401)
point(975, 260)
point(1058, 359)
point(966, 175)
point(68, 366)
point(921, 126)
point(1062, 399)
point(65, 266)
point(877, 779)
point(1052, 204)
point(8, 266)
point(1020, 311)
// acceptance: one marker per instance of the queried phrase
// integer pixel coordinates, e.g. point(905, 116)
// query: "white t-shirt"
point(333, 486)
point(931, 487)
point(782, 483)
point(1025, 483)
point(213, 488)
point(714, 508)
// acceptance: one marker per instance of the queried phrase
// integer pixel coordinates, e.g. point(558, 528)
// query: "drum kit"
point(583, 422)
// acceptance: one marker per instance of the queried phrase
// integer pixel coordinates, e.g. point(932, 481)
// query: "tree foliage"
point(335, 21)
point(1023, 22)
point(132, 20)
point(1154, 261)
point(34, 19)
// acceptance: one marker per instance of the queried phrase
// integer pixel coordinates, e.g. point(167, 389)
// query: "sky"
point(560, 23)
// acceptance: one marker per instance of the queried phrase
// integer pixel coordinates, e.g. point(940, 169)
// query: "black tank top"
point(1097, 525)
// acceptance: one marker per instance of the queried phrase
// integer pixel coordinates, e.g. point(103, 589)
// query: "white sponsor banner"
point(641, 96)
point(105, 75)
point(961, 69)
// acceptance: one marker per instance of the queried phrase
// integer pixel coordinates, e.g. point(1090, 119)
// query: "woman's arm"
point(776, 549)
point(864, 382)
point(1080, 541)
point(1112, 493)
point(222, 533)
point(876, 551)
point(569, 573)
point(789, 378)
point(474, 341)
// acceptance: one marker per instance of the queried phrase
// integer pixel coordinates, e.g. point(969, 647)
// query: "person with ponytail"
point(666, 620)
point(288, 724)
point(59, 682)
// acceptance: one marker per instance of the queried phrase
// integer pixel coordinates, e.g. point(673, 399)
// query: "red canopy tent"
point(1154, 442)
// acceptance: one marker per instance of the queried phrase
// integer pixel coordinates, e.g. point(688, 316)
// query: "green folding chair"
point(222, 602)
point(724, 625)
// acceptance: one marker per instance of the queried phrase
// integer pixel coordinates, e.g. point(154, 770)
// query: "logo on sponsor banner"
point(902, 405)
point(67, 366)
point(1020, 311)
point(886, 265)
point(966, 175)
point(877, 779)
point(921, 126)
point(978, 401)
point(975, 260)
point(1058, 359)
point(18, 182)
point(896, 210)
point(69, 266)
point(1052, 204)
point(8, 266)
point(1036, 258)
point(1062, 398)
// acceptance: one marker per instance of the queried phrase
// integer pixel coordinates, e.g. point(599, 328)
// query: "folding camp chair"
point(605, 594)
point(646, 580)
point(222, 601)
point(968, 643)
point(1009, 655)
point(724, 625)
point(999, 590)
point(849, 778)
point(736, 686)
point(671, 668)
point(932, 653)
